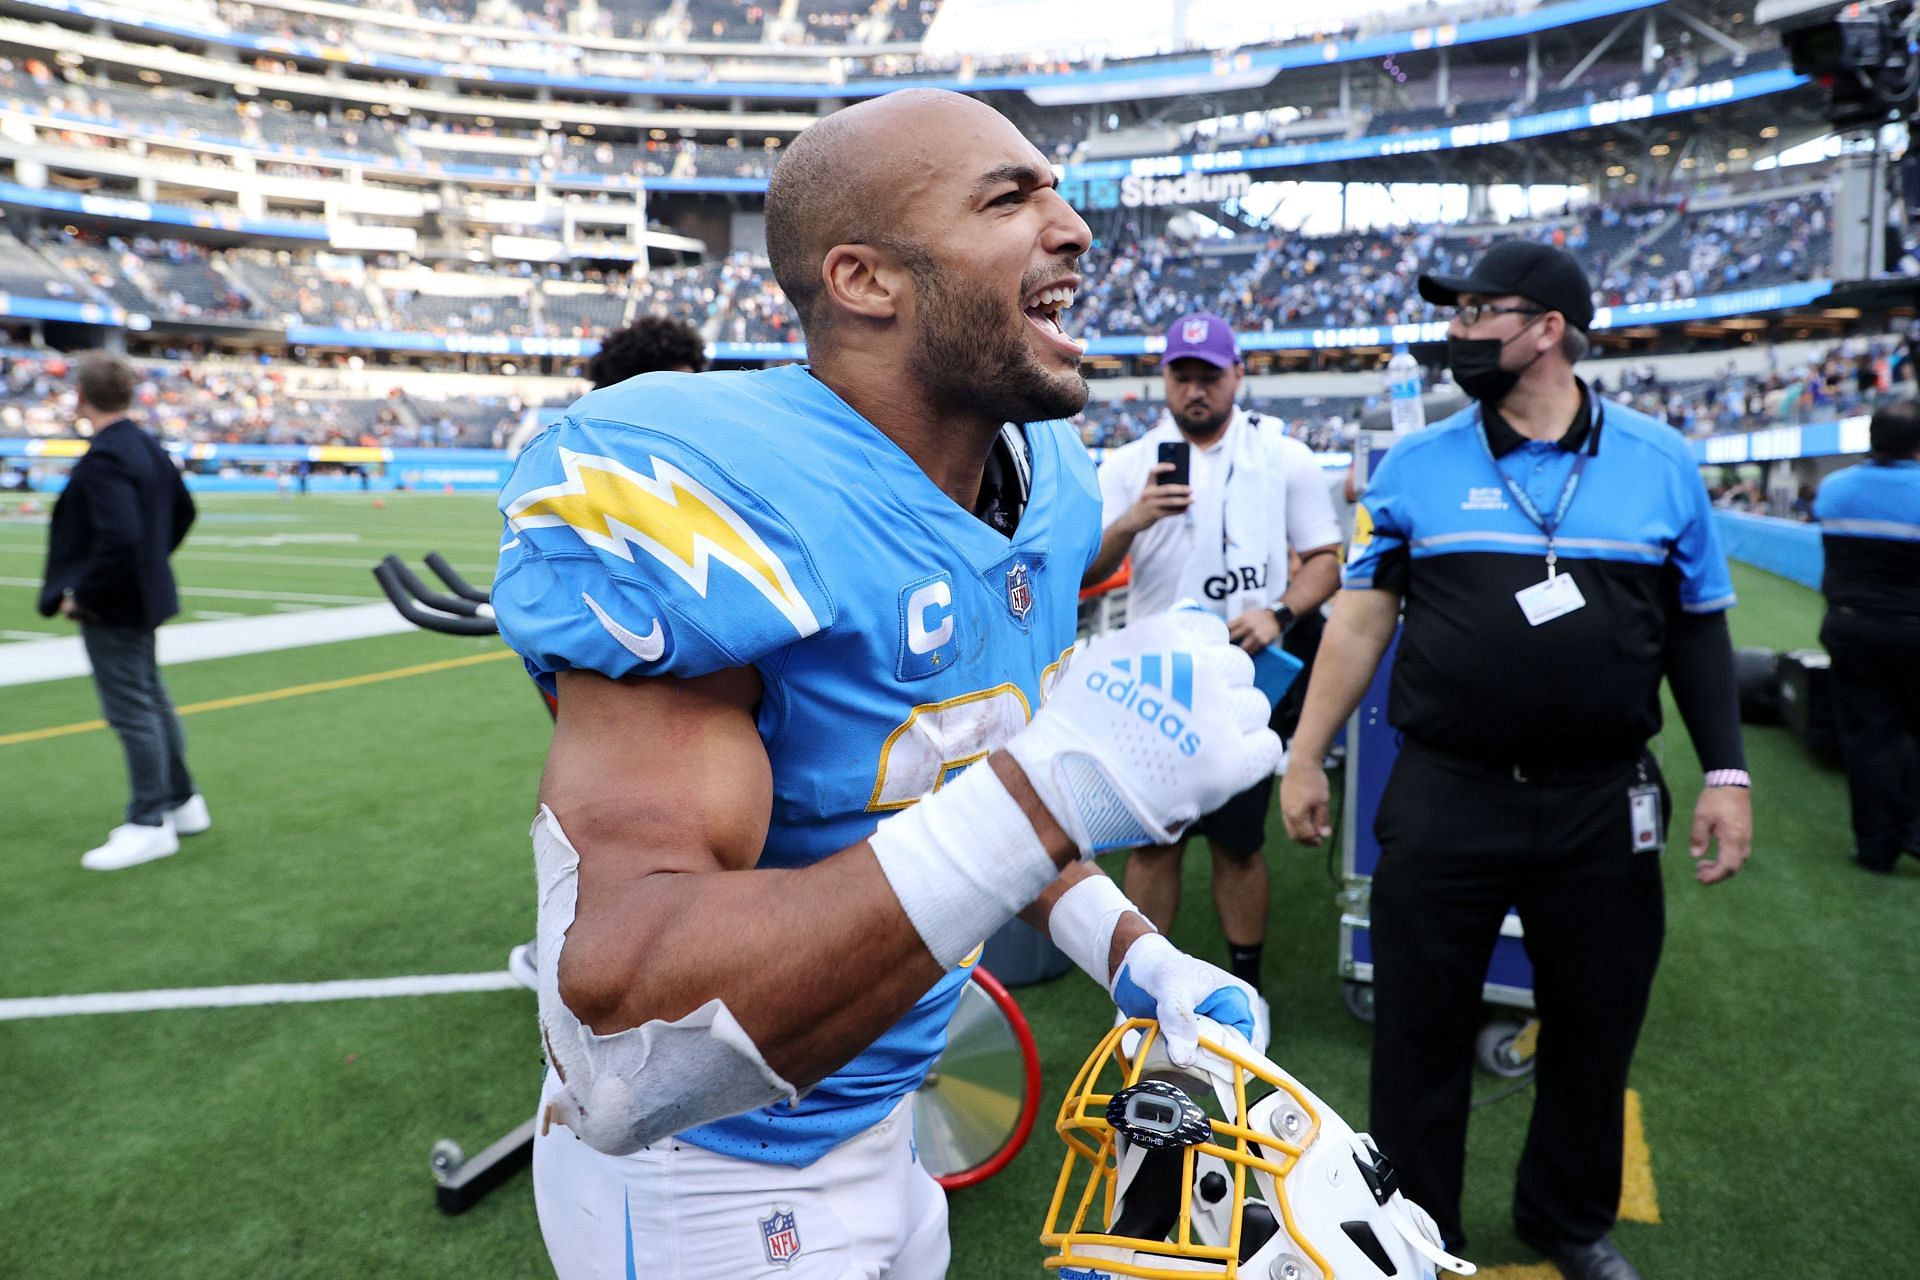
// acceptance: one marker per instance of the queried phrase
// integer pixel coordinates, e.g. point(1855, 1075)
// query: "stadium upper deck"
point(821, 48)
point(517, 198)
point(1674, 260)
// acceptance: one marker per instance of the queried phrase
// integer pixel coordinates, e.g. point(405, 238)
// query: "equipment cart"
point(1505, 1045)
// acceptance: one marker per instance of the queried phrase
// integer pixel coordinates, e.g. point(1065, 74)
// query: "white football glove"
point(1158, 980)
point(1148, 729)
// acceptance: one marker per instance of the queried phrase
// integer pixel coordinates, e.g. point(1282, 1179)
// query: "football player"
point(816, 737)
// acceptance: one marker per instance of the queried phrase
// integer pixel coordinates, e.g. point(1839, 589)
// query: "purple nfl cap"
point(1202, 336)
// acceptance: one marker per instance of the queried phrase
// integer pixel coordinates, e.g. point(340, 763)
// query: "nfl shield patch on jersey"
point(781, 1235)
point(1020, 586)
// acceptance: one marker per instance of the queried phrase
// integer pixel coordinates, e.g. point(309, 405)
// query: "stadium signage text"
point(1194, 188)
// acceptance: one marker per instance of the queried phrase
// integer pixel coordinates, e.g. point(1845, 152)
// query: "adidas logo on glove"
point(1171, 674)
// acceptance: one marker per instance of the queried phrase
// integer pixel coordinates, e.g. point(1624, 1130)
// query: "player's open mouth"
point(1043, 308)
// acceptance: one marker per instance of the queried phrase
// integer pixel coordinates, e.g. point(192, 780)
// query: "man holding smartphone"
point(1209, 504)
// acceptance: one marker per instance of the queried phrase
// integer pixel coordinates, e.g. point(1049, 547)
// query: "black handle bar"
point(459, 585)
point(397, 581)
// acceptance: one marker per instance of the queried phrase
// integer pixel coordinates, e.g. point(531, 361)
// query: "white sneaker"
point(191, 818)
point(131, 844)
point(520, 964)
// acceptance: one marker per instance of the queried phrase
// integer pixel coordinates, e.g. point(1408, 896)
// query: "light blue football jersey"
point(677, 524)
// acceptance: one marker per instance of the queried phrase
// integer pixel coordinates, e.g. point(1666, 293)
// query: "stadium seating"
point(24, 273)
point(350, 132)
point(1634, 253)
point(583, 315)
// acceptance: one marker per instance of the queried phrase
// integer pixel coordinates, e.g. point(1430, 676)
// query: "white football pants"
point(867, 1210)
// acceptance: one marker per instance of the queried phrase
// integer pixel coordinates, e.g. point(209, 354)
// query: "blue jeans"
point(134, 700)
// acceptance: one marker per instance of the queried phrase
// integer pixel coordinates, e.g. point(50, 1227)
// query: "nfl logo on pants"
point(781, 1236)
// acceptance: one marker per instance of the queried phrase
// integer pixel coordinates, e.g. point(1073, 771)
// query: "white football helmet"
point(1226, 1168)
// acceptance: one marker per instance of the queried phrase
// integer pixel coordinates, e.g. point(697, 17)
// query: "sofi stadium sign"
point(1195, 188)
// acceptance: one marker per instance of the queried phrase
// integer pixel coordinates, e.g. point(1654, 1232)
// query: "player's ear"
point(862, 279)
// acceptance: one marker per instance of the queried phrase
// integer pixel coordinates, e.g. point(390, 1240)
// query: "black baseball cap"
point(1537, 272)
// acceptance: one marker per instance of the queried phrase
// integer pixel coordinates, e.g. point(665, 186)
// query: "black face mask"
point(1476, 368)
point(1475, 363)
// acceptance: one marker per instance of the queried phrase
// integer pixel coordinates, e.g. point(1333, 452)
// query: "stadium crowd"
point(1136, 282)
point(210, 402)
point(1634, 254)
point(1853, 376)
point(221, 404)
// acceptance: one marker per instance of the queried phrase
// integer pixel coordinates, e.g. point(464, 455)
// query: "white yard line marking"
point(261, 993)
point(34, 661)
point(26, 635)
point(480, 571)
point(216, 615)
point(269, 539)
point(230, 593)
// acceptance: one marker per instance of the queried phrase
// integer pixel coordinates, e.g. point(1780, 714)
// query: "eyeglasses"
point(1471, 313)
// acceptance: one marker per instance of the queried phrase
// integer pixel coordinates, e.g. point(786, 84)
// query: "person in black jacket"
point(124, 510)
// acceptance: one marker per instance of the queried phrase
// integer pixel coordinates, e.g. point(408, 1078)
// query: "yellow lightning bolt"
point(672, 517)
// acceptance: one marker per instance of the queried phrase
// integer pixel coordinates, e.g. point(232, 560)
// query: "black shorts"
point(1239, 826)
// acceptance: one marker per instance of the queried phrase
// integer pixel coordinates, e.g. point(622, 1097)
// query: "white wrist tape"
point(963, 862)
point(1083, 922)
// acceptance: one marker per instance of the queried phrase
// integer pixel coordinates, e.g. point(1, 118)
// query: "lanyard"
point(1526, 504)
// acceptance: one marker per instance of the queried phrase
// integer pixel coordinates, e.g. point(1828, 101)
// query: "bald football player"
point(818, 732)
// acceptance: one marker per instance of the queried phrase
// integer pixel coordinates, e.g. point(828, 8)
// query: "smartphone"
point(1180, 454)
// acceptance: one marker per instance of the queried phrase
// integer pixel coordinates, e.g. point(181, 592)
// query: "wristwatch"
point(1282, 615)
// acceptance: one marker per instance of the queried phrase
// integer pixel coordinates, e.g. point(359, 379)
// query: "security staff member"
point(1870, 529)
point(1224, 541)
point(1555, 557)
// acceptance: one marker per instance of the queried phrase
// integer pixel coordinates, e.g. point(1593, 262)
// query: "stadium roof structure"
point(755, 72)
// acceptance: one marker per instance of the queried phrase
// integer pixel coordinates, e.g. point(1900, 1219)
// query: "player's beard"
point(970, 361)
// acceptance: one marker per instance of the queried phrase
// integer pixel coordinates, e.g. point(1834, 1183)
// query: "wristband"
point(1083, 921)
point(963, 862)
point(1728, 778)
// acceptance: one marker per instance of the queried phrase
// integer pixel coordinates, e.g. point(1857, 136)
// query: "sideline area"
point(35, 661)
point(381, 830)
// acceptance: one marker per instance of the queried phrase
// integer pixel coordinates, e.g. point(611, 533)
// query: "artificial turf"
point(379, 830)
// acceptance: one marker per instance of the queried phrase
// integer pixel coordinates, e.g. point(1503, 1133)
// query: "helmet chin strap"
point(1400, 1213)
point(1408, 1218)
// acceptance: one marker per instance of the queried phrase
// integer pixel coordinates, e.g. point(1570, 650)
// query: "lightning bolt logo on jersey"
point(678, 524)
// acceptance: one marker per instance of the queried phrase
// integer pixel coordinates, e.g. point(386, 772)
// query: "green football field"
point(370, 802)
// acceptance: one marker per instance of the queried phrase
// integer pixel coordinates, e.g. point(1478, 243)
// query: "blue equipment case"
point(1372, 747)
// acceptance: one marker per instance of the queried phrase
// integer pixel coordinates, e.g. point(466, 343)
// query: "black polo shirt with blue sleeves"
point(1870, 530)
point(1441, 527)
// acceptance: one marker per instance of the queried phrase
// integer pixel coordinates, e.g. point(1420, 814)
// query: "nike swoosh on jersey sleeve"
point(650, 647)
